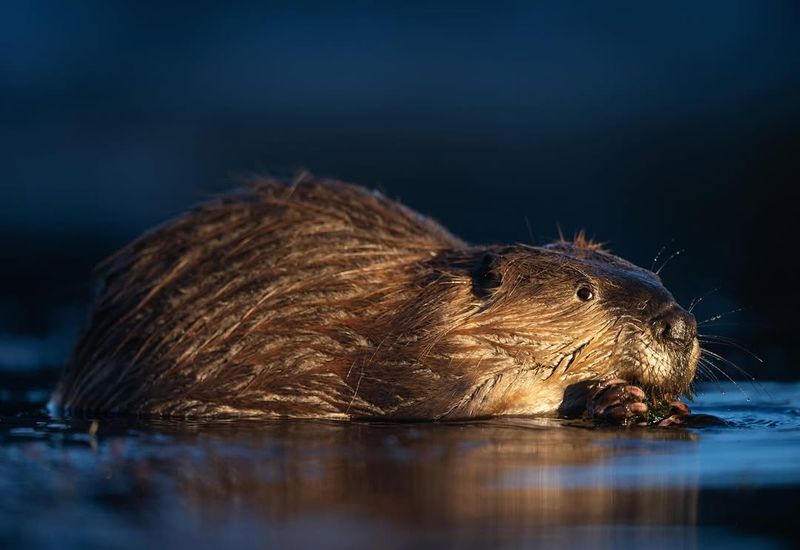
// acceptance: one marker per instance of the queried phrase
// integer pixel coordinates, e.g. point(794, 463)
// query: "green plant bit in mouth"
point(658, 411)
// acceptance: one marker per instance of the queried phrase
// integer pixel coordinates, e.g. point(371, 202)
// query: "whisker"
point(660, 252)
point(696, 301)
point(724, 341)
point(739, 369)
point(702, 369)
point(673, 255)
point(728, 324)
point(710, 375)
point(726, 375)
point(720, 316)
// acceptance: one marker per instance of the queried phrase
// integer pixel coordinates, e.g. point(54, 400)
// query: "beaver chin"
point(665, 370)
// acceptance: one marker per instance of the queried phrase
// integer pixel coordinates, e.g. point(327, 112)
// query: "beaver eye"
point(585, 293)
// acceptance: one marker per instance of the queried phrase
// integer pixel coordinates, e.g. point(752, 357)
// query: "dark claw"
point(679, 408)
point(617, 402)
point(679, 413)
point(636, 392)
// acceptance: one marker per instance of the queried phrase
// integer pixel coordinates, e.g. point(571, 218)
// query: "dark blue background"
point(645, 123)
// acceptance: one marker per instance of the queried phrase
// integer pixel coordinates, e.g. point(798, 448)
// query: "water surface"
point(126, 483)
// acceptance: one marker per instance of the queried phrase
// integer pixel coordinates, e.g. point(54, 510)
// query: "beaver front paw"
point(678, 414)
point(617, 402)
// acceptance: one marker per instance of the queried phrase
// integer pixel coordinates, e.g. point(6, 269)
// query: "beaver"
point(322, 299)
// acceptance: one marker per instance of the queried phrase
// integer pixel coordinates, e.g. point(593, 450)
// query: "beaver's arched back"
point(269, 301)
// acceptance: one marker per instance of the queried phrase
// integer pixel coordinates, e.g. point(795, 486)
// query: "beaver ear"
point(485, 275)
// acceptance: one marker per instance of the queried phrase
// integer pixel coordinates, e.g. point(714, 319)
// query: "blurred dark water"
point(128, 483)
point(646, 124)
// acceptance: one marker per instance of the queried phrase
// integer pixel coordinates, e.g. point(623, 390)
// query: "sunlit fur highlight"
point(323, 299)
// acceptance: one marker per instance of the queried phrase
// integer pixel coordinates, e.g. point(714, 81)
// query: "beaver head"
point(573, 311)
point(323, 299)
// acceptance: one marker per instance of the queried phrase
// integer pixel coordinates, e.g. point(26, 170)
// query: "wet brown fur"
point(324, 299)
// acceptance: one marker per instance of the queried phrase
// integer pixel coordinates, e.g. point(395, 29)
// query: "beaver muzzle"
point(675, 326)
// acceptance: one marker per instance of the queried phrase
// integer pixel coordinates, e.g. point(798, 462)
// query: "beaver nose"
point(675, 324)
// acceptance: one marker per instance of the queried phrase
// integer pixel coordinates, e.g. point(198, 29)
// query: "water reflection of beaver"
point(323, 299)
